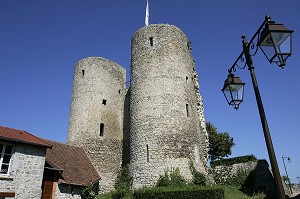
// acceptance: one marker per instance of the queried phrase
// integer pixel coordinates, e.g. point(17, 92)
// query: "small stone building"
point(32, 167)
point(22, 160)
point(67, 171)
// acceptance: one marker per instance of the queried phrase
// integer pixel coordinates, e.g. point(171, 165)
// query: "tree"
point(220, 144)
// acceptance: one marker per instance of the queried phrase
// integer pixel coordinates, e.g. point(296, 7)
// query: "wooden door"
point(48, 190)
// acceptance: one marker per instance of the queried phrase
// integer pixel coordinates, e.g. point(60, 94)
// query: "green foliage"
point(184, 192)
point(89, 192)
point(171, 178)
point(122, 184)
point(198, 178)
point(231, 161)
point(119, 193)
point(124, 179)
point(224, 176)
point(239, 178)
point(220, 144)
point(286, 179)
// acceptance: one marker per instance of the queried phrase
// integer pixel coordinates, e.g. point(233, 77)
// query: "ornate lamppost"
point(275, 42)
point(289, 160)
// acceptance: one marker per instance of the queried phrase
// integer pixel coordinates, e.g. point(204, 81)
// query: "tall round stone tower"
point(167, 125)
point(96, 115)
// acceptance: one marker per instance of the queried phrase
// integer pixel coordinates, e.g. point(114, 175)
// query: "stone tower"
point(96, 115)
point(167, 127)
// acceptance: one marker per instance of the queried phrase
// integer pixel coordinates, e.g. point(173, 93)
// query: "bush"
point(124, 179)
point(231, 161)
point(185, 192)
point(171, 178)
point(198, 178)
point(119, 193)
point(88, 192)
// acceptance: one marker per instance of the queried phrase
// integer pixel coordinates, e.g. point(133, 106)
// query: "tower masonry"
point(96, 116)
point(156, 125)
point(166, 127)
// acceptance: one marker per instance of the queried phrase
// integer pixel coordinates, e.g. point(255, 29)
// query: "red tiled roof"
point(77, 167)
point(15, 135)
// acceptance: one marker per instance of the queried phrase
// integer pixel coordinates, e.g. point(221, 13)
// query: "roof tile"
point(16, 135)
point(77, 167)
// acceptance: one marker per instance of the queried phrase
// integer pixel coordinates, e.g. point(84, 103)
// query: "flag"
point(147, 14)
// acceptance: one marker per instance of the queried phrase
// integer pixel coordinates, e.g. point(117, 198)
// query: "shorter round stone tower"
point(96, 115)
point(166, 115)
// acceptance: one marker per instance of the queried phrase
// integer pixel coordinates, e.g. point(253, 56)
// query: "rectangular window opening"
point(151, 41)
point(186, 79)
point(104, 101)
point(5, 158)
point(147, 152)
point(187, 110)
point(101, 129)
point(82, 71)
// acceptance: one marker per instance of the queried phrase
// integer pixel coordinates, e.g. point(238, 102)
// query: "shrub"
point(124, 179)
point(88, 192)
point(171, 178)
point(198, 178)
point(231, 161)
point(184, 192)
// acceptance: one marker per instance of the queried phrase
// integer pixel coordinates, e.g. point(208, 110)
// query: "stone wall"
point(164, 120)
point(25, 178)
point(96, 115)
point(259, 176)
point(65, 191)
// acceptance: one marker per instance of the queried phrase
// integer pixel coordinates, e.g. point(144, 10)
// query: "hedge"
point(186, 192)
point(231, 161)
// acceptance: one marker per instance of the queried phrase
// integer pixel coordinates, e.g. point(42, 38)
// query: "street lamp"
point(289, 160)
point(275, 42)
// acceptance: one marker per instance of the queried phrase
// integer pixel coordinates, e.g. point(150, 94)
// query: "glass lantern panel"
point(269, 51)
point(279, 37)
point(284, 46)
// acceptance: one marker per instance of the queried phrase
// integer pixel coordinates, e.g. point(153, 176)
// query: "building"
point(156, 124)
point(32, 167)
point(68, 170)
point(22, 164)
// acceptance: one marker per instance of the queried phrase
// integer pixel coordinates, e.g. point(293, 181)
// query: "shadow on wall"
point(260, 180)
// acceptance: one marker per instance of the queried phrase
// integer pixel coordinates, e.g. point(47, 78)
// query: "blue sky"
point(41, 40)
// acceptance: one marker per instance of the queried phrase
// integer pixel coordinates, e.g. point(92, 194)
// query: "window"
point(104, 101)
point(186, 79)
point(187, 110)
point(151, 41)
point(5, 158)
point(82, 73)
point(147, 152)
point(101, 129)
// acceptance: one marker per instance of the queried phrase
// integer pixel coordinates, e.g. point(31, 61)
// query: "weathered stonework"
point(165, 128)
point(96, 117)
point(64, 191)
point(157, 124)
point(25, 178)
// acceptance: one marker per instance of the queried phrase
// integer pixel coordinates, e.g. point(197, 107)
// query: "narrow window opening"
point(82, 71)
point(151, 41)
point(147, 152)
point(186, 79)
point(104, 101)
point(119, 91)
point(187, 110)
point(101, 129)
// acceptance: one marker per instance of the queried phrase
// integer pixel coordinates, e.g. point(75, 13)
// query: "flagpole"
point(147, 14)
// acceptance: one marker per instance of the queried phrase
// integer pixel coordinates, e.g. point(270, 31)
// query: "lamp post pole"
point(287, 172)
point(264, 123)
